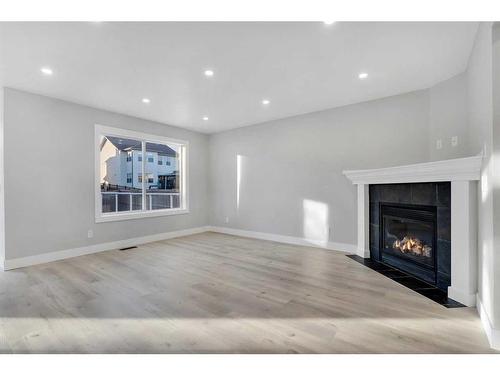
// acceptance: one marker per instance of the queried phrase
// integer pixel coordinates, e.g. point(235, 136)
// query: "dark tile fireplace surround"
point(410, 236)
point(429, 205)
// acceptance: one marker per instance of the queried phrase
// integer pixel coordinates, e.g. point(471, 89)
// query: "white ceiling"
point(300, 66)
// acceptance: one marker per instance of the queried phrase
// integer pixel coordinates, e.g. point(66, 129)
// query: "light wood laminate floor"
point(214, 293)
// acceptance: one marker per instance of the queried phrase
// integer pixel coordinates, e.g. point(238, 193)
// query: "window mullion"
point(181, 177)
point(143, 163)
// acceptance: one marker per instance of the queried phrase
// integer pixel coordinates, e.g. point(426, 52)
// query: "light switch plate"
point(454, 141)
point(439, 144)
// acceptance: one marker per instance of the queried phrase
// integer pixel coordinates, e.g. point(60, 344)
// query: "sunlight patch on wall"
point(485, 189)
point(316, 222)
point(239, 175)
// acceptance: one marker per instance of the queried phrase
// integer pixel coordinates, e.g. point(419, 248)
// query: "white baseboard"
point(462, 297)
point(348, 248)
point(493, 334)
point(363, 253)
point(9, 264)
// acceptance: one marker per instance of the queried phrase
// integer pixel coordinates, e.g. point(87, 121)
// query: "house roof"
point(124, 144)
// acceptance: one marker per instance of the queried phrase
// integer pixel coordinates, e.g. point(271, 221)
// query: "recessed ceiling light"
point(363, 75)
point(328, 22)
point(205, 118)
point(146, 100)
point(209, 73)
point(47, 71)
point(266, 101)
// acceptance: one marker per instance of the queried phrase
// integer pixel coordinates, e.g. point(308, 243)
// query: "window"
point(119, 195)
point(167, 162)
point(149, 177)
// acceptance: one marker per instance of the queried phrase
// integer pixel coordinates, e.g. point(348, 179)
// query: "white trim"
point(10, 264)
point(100, 130)
point(363, 249)
point(139, 136)
point(139, 215)
point(443, 170)
point(468, 299)
point(493, 334)
point(338, 246)
point(463, 242)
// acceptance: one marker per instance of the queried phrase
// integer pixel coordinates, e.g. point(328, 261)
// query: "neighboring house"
point(121, 161)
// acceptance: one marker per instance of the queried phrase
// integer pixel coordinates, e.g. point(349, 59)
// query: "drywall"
point(2, 204)
point(285, 176)
point(495, 172)
point(448, 118)
point(282, 177)
point(480, 135)
point(49, 177)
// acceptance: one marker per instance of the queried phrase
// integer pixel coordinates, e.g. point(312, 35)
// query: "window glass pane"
point(119, 167)
point(163, 180)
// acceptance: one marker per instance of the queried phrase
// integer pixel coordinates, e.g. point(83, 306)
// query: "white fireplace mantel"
point(463, 173)
point(465, 169)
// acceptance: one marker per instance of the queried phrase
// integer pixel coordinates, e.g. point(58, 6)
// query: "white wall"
point(495, 160)
point(448, 118)
point(2, 189)
point(291, 167)
point(480, 134)
point(279, 176)
point(49, 176)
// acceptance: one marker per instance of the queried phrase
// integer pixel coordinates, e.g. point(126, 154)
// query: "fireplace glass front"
point(408, 235)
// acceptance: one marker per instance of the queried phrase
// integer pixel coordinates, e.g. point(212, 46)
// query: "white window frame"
point(144, 138)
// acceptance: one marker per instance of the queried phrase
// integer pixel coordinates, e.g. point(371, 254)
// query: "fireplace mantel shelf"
point(462, 169)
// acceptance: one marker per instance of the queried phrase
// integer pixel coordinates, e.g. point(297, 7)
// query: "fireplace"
point(410, 229)
point(448, 185)
point(408, 236)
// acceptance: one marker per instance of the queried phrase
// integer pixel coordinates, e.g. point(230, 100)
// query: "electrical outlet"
point(454, 141)
point(226, 220)
point(439, 144)
point(90, 233)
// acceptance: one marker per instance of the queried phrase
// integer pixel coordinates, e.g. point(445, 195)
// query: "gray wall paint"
point(287, 162)
point(49, 176)
point(480, 134)
point(448, 118)
point(495, 161)
point(2, 205)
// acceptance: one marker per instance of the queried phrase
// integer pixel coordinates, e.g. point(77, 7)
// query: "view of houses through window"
point(121, 175)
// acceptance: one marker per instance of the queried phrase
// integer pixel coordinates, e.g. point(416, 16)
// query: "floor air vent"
point(128, 248)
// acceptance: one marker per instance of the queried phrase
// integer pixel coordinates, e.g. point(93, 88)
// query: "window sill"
point(104, 218)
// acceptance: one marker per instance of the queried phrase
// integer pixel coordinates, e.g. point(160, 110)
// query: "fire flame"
point(413, 246)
